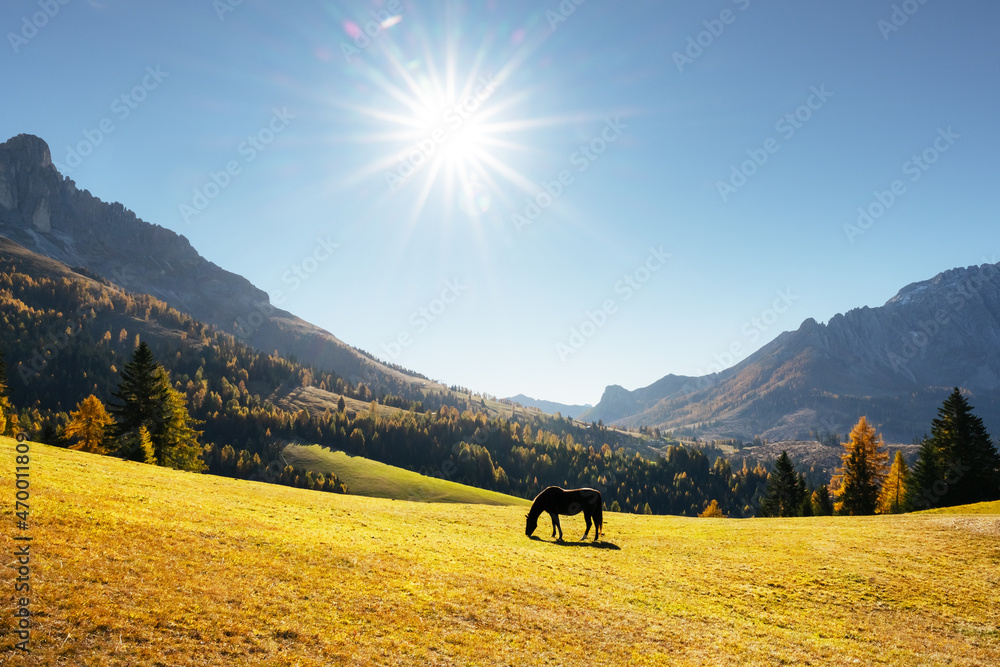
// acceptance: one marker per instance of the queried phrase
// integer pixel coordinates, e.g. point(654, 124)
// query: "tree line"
point(956, 465)
point(75, 343)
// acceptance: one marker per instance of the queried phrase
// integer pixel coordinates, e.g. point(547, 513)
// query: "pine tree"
point(958, 464)
point(148, 401)
point(821, 501)
point(782, 497)
point(892, 499)
point(859, 478)
point(927, 471)
point(141, 392)
point(178, 445)
point(137, 446)
point(89, 423)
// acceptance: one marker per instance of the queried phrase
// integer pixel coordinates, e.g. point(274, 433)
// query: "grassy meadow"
point(138, 565)
point(365, 477)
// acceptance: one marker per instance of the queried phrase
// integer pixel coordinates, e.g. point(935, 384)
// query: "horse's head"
point(530, 526)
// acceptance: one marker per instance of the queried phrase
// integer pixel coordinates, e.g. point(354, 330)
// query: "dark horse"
point(556, 501)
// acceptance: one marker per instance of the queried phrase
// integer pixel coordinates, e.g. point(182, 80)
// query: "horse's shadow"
point(592, 545)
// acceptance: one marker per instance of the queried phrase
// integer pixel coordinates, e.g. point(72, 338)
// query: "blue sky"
point(535, 197)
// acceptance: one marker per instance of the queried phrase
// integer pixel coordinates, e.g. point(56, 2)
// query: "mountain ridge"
point(549, 407)
point(45, 212)
point(894, 362)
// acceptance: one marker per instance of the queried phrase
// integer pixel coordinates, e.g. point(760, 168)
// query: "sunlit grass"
point(365, 477)
point(134, 564)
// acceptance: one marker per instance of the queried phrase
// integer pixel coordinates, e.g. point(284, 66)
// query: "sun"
point(443, 122)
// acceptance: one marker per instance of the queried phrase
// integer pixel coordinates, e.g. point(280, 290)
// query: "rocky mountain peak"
point(29, 150)
point(47, 214)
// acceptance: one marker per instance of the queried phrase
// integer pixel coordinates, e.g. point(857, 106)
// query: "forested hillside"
point(66, 336)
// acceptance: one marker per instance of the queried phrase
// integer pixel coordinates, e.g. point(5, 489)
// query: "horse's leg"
point(556, 525)
point(586, 517)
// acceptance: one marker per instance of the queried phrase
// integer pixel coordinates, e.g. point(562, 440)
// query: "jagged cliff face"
point(46, 213)
point(895, 364)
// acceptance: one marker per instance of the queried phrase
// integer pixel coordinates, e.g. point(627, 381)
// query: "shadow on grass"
point(592, 545)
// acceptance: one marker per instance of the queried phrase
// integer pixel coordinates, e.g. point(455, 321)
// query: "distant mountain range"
point(46, 213)
point(895, 364)
point(550, 407)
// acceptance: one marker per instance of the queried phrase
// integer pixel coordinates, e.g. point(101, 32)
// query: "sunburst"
point(441, 127)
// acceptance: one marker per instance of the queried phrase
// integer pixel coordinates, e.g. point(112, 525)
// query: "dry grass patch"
point(139, 565)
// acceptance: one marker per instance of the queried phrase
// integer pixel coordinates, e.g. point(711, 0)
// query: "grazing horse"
point(556, 501)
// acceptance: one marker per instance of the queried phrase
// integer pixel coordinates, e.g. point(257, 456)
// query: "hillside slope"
point(894, 363)
point(46, 213)
point(365, 477)
point(133, 564)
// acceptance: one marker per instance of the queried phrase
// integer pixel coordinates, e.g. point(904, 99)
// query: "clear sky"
point(538, 197)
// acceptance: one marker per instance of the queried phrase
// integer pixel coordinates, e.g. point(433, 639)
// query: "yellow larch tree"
point(88, 423)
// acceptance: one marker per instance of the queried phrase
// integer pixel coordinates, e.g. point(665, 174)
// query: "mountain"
point(550, 407)
point(895, 363)
point(46, 213)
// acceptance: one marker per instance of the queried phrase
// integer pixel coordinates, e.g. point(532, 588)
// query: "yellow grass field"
point(365, 477)
point(138, 565)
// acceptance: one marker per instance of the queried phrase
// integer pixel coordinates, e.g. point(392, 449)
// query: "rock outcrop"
point(47, 214)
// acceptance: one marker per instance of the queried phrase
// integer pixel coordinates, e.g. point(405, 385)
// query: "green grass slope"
point(365, 477)
point(138, 565)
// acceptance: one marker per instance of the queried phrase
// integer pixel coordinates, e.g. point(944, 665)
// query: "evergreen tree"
point(141, 393)
point(859, 478)
point(821, 501)
point(89, 423)
point(927, 471)
point(148, 401)
point(137, 446)
point(892, 499)
point(783, 496)
point(958, 464)
point(177, 445)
